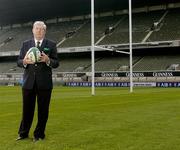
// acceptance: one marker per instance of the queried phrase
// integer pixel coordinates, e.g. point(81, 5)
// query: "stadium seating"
point(72, 64)
point(18, 36)
point(106, 63)
point(82, 37)
point(170, 29)
point(141, 25)
point(58, 31)
point(156, 63)
point(9, 67)
point(112, 63)
point(77, 33)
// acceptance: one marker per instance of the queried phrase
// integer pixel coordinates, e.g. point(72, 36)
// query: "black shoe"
point(37, 139)
point(21, 138)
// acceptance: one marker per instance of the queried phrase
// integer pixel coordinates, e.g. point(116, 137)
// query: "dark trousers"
point(29, 101)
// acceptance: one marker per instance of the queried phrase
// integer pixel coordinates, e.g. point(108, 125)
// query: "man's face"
point(39, 32)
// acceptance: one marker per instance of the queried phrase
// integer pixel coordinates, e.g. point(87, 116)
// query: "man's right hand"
point(27, 61)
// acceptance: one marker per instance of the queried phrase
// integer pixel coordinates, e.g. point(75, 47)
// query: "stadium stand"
point(142, 23)
point(102, 24)
point(74, 64)
point(168, 30)
point(58, 31)
point(113, 63)
point(18, 35)
point(81, 38)
point(107, 63)
point(156, 63)
point(9, 67)
point(77, 33)
point(111, 29)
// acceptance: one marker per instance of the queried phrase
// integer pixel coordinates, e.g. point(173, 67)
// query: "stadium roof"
point(17, 11)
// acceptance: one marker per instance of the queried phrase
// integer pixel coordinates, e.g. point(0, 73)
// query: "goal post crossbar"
point(109, 49)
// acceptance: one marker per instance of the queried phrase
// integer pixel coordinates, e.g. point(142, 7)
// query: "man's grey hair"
point(40, 23)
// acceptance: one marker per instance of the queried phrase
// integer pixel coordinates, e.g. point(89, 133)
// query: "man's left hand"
point(44, 58)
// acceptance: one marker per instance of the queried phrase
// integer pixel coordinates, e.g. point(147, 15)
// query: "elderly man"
point(37, 81)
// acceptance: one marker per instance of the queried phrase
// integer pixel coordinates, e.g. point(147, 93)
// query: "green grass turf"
point(113, 119)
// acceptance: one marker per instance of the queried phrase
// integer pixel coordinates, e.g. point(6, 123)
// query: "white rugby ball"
point(33, 54)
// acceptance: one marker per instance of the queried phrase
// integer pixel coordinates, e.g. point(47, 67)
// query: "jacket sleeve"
point(54, 62)
point(21, 56)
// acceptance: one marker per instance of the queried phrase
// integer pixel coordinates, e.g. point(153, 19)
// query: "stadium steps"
point(156, 63)
point(170, 29)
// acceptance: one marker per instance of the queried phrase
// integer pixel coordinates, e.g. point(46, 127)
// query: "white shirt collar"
point(37, 41)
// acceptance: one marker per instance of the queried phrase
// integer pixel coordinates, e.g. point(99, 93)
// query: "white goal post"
point(93, 47)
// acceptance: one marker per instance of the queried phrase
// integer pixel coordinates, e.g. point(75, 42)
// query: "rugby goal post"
point(93, 48)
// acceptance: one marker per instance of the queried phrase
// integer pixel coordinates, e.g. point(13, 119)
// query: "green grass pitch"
point(113, 119)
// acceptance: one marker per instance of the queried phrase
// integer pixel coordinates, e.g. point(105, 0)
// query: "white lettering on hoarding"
point(109, 74)
point(137, 74)
point(162, 74)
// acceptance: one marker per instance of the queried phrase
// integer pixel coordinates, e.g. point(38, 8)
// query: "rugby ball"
point(33, 54)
